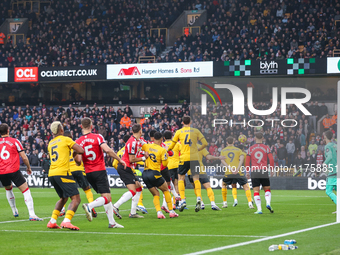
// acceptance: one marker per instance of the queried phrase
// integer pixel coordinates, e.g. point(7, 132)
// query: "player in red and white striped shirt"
point(10, 150)
point(127, 175)
point(257, 162)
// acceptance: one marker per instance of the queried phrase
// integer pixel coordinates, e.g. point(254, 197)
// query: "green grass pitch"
point(191, 232)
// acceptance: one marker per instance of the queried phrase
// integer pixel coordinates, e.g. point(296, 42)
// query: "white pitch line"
point(261, 239)
point(118, 233)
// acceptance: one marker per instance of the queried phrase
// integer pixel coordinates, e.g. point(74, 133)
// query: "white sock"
point(29, 202)
point(164, 202)
point(66, 220)
point(235, 201)
point(258, 202)
point(268, 197)
point(109, 213)
point(134, 202)
point(100, 201)
point(173, 190)
point(11, 200)
point(53, 220)
point(213, 203)
point(124, 198)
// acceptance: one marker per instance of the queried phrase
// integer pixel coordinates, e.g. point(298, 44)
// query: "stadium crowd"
point(119, 31)
point(291, 145)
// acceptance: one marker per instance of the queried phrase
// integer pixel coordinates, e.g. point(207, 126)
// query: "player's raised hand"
point(29, 170)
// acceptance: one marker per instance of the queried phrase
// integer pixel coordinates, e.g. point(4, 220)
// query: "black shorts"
point(65, 186)
point(256, 182)
point(185, 166)
point(17, 178)
point(80, 178)
point(126, 175)
point(235, 178)
point(152, 178)
point(174, 174)
point(99, 181)
point(166, 174)
point(202, 177)
point(260, 178)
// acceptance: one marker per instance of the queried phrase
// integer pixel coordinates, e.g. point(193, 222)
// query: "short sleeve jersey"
point(188, 137)
point(259, 156)
point(73, 165)
point(93, 157)
point(131, 148)
point(59, 150)
point(174, 159)
point(157, 155)
point(331, 159)
point(9, 155)
point(232, 155)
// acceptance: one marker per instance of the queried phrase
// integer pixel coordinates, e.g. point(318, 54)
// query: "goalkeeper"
point(331, 162)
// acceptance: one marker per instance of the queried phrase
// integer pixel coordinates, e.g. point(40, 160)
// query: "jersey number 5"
point(88, 153)
point(54, 153)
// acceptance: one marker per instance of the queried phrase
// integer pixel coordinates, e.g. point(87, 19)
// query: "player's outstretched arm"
point(211, 157)
point(26, 161)
point(112, 154)
point(77, 151)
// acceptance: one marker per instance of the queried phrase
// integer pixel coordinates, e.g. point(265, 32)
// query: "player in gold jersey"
point(189, 159)
point(152, 176)
point(79, 176)
point(204, 179)
point(173, 165)
point(233, 163)
point(60, 176)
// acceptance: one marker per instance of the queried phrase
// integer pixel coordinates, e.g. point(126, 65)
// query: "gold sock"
point(224, 194)
point(55, 214)
point(181, 188)
point(157, 203)
point(140, 201)
point(248, 194)
point(234, 192)
point(198, 188)
point(211, 195)
point(69, 214)
point(168, 199)
point(174, 200)
point(89, 195)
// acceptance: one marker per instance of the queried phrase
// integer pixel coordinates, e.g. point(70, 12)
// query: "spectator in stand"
point(319, 158)
point(125, 122)
point(46, 163)
point(213, 147)
point(312, 147)
point(290, 152)
point(281, 155)
point(314, 113)
point(34, 159)
point(323, 110)
point(327, 122)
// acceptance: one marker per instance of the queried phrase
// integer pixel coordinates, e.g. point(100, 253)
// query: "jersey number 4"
point(187, 140)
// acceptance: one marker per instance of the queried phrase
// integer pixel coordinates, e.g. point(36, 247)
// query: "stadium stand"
point(84, 32)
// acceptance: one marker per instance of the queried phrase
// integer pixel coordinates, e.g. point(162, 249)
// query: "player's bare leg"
point(198, 189)
point(29, 202)
point(268, 197)
point(224, 195)
point(71, 210)
point(248, 195)
point(89, 197)
point(11, 200)
point(56, 212)
point(134, 203)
